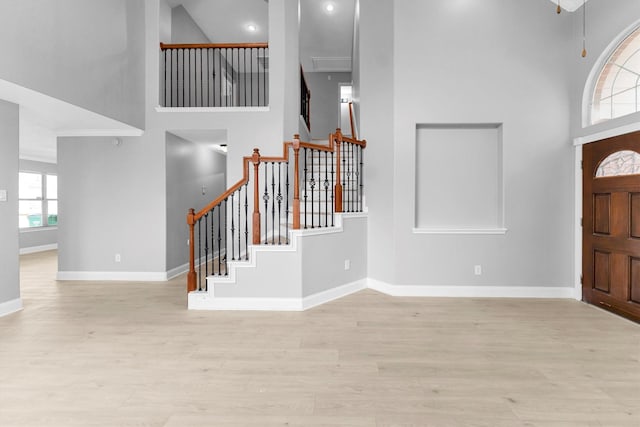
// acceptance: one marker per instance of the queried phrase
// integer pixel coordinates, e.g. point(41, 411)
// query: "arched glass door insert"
point(620, 163)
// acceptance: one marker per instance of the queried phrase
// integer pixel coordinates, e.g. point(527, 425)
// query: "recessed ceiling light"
point(329, 7)
point(252, 28)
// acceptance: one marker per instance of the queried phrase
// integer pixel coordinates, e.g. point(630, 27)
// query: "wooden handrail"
point(164, 46)
point(351, 120)
point(285, 158)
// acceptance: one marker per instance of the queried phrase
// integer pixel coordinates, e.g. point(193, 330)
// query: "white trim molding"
point(203, 300)
point(564, 292)
point(470, 231)
point(608, 133)
point(131, 276)
point(160, 109)
point(36, 249)
point(10, 307)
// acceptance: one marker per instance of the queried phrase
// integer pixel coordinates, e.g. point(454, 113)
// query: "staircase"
point(307, 228)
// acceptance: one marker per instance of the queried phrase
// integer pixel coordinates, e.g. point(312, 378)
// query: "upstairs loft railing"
point(274, 196)
point(305, 100)
point(214, 75)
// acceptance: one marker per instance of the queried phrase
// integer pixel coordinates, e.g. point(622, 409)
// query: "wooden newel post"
point(338, 188)
point(296, 182)
point(255, 158)
point(191, 276)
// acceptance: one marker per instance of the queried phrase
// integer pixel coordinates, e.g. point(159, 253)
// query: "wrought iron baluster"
point(233, 229)
point(273, 204)
point(225, 236)
point(326, 190)
point(206, 246)
point(246, 221)
point(220, 240)
point(265, 197)
point(287, 206)
point(333, 206)
point(319, 188)
point(279, 198)
point(305, 187)
point(199, 260)
point(361, 179)
point(239, 224)
point(312, 184)
point(213, 240)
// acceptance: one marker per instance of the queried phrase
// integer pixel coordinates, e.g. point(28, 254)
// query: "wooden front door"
point(611, 225)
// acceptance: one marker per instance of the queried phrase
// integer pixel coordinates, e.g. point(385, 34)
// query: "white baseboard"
point(131, 276)
point(333, 294)
point(472, 291)
point(175, 272)
point(205, 301)
point(35, 249)
point(9, 307)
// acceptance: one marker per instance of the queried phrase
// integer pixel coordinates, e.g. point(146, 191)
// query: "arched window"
point(617, 92)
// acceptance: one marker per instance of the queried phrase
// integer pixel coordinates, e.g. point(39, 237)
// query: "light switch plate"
point(3, 195)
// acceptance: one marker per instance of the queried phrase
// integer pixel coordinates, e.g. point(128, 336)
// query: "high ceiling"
point(226, 21)
point(570, 5)
point(326, 38)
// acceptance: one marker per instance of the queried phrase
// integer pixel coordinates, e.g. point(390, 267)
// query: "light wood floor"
point(130, 354)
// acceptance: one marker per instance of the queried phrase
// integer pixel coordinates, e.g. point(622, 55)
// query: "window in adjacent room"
point(38, 200)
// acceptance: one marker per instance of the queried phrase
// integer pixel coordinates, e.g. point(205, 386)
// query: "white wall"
point(325, 101)
point(503, 64)
point(10, 272)
point(189, 167)
point(112, 200)
point(184, 29)
point(88, 53)
point(373, 93)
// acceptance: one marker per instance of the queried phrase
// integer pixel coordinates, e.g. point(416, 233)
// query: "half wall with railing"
point(302, 189)
point(214, 75)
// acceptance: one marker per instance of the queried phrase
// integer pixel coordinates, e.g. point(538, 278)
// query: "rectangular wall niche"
point(458, 177)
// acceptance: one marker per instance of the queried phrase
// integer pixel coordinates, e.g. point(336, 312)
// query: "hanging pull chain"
point(584, 28)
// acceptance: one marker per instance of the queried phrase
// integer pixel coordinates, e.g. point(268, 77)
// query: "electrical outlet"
point(477, 270)
point(3, 195)
point(347, 264)
point(118, 258)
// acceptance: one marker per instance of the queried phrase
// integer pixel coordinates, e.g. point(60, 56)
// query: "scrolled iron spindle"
point(304, 174)
point(287, 207)
point(233, 229)
point(312, 184)
point(226, 241)
point(265, 198)
point(246, 221)
point(332, 193)
point(273, 203)
point(239, 225)
point(279, 199)
point(199, 254)
point(326, 190)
